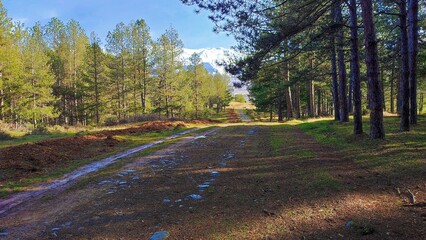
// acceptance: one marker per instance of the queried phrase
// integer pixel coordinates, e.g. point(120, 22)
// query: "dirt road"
point(237, 182)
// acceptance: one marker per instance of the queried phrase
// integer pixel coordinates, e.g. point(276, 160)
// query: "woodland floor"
point(259, 181)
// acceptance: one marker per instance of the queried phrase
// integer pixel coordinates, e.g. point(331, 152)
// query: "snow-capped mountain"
point(212, 59)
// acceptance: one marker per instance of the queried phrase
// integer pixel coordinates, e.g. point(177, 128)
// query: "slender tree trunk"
point(319, 102)
point(372, 62)
point(144, 84)
point(287, 90)
point(351, 96)
point(335, 83)
point(297, 100)
point(355, 69)
point(1, 104)
point(344, 115)
point(404, 82)
point(95, 66)
point(382, 82)
point(392, 88)
point(280, 107)
point(413, 10)
point(311, 104)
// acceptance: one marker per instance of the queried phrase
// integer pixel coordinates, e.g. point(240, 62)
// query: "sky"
point(101, 16)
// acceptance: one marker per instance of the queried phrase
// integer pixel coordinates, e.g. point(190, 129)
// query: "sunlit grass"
point(399, 152)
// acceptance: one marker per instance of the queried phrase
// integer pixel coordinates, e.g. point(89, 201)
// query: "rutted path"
point(243, 116)
point(234, 182)
point(71, 178)
point(44, 218)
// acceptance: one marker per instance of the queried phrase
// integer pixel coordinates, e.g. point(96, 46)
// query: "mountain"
point(211, 59)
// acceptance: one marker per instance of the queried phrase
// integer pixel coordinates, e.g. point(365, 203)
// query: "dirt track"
point(252, 190)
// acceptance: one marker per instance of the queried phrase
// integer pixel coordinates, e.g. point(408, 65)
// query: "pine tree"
point(39, 79)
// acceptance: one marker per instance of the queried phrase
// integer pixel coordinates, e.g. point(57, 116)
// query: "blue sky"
point(101, 16)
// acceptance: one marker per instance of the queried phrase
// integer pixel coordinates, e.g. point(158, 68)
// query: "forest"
point(57, 75)
point(141, 144)
point(305, 58)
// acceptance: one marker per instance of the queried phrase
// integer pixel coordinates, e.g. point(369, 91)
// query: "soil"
point(33, 159)
point(232, 116)
point(252, 190)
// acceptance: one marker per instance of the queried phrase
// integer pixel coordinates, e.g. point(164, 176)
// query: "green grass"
point(398, 153)
point(220, 117)
point(322, 181)
point(22, 139)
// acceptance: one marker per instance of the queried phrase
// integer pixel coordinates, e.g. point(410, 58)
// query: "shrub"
point(40, 130)
point(111, 121)
point(240, 98)
point(5, 136)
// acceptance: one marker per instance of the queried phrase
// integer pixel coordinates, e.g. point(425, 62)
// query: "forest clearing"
point(256, 180)
point(213, 119)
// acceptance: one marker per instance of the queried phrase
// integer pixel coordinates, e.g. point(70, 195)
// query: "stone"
point(166, 200)
point(160, 235)
point(56, 229)
point(203, 186)
point(194, 197)
point(4, 234)
point(104, 182)
point(67, 224)
point(215, 174)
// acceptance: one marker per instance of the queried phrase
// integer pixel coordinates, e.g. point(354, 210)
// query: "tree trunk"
point(404, 83)
point(311, 105)
point(280, 107)
point(337, 12)
point(335, 83)
point(1, 104)
point(392, 89)
point(382, 82)
point(297, 100)
point(413, 10)
point(319, 102)
point(355, 69)
point(95, 66)
point(287, 90)
point(372, 63)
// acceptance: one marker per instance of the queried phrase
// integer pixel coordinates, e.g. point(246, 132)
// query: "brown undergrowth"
point(32, 159)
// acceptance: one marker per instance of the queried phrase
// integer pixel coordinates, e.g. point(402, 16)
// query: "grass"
point(399, 152)
point(321, 180)
point(129, 141)
point(22, 139)
point(220, 117)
